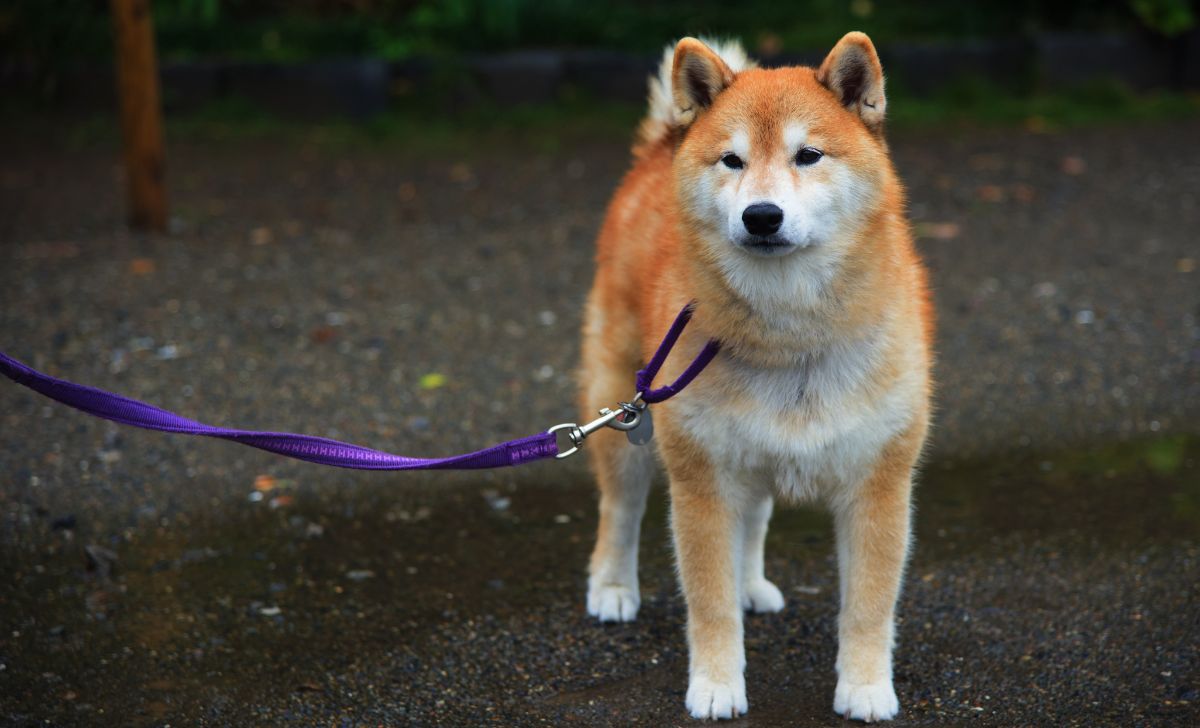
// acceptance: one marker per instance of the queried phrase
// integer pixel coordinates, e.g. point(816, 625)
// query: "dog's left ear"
point(853, 73)
point(697, 75)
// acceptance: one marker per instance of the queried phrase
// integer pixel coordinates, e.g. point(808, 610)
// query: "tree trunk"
point(141, 113)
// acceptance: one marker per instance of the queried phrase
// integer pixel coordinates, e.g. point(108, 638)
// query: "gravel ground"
point(429, 303)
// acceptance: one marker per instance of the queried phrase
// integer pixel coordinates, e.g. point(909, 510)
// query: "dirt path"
point(316, 288)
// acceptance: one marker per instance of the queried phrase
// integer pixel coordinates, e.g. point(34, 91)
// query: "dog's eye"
point(732, 161)
point(808, 155)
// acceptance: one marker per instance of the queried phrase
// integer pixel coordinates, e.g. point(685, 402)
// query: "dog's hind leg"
point(758, 594)
point(623, 472)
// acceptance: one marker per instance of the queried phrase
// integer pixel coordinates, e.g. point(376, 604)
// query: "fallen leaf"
point(433, 380)
point(1023, 193)
point(1073, 165)
point(264, 483)
point(323, 334)
point(1036, 125)
point(142, 266)
point(261, 236)
point(938, 230)
point(282, 501)
point(1185, 265)
point(990, 193)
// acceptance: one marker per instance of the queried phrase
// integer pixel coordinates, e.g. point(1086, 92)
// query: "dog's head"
point(775, 162)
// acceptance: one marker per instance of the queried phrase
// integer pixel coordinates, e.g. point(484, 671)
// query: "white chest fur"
point(811, 430)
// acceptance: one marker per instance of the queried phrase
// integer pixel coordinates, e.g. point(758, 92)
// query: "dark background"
point(361, 58)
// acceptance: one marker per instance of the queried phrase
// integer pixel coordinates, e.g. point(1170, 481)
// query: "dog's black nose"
point(762, 218)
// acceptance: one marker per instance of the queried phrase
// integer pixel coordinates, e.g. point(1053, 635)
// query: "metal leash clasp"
point(631, 410)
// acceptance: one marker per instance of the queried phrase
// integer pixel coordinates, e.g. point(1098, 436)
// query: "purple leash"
point(645, 376)
point(324, 451)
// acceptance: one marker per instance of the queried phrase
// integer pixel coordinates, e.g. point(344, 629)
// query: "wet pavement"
point(428, 303)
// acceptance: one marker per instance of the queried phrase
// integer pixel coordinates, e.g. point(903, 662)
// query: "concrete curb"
point(361, 87)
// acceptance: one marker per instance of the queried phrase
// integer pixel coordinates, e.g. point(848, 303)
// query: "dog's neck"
point(773, 313)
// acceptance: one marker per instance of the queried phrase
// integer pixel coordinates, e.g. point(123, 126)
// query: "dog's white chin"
point(787, 277)
point(773, 249)
point(769, 251)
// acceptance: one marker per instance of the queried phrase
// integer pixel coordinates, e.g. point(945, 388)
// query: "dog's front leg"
point(707, 531)
point(872, 537)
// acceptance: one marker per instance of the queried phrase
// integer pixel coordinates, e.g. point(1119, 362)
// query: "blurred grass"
point(549, 127)
point(51, 32)
point(421, 130)
point(544, 127)
point(973, 102)
point(433, 129)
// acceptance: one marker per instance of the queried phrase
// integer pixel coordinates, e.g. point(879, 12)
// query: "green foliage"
point(976, 102)
point(203, 12)
point(1167, 456)
point(50, 33)
point(47, 37)
point(1169, 17)
point(424, 129)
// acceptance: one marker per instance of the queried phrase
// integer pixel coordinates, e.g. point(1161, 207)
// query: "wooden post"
point(141, 113)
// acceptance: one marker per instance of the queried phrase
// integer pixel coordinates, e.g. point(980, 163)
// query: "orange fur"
point(660, 247)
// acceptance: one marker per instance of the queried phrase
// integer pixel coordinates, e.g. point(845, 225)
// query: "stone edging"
point(360, 87)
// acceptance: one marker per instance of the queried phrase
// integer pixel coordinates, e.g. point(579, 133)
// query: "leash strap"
point(324, 451)
point(645, 376)
point(320, 450)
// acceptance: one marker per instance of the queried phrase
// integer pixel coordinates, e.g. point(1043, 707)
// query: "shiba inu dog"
point(768, 197)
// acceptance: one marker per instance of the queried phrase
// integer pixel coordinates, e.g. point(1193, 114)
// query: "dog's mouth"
point(770, 245)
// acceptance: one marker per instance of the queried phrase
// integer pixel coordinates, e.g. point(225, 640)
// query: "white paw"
point(711, 700)
point(613, 602)
point(761, 596)
point(866, 701)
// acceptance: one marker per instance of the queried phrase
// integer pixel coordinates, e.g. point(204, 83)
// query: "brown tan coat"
point(769, 198)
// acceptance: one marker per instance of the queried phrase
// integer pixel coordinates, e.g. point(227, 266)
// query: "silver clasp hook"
point(608, 418)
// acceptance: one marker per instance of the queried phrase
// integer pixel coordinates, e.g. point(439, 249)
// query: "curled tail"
point(660, 122)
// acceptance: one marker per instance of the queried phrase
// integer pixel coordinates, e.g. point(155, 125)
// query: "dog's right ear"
point(697, 75)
